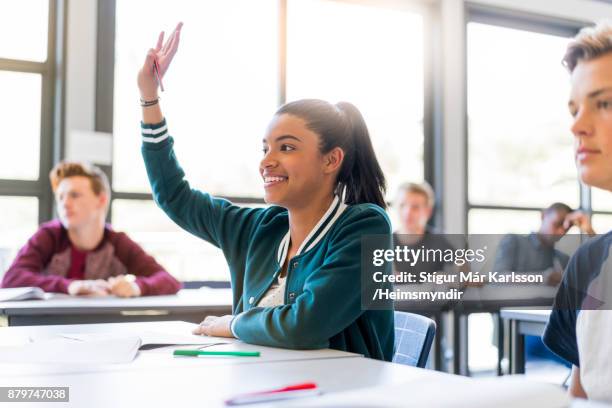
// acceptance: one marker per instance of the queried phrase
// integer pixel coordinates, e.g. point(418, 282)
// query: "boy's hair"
point(423, 188)
point(557, 207)
point(65, 169)
point(590, 43)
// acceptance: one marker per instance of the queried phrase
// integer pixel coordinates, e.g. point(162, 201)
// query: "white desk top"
point(527, 315)
point(159, 358)
point(209, 386)
point(185, 299)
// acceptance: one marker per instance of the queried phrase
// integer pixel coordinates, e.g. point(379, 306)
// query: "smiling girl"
point(295, 266)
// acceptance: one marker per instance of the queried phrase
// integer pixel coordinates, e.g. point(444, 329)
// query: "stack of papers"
point(68, 351)
point(91, 348)
point(9, 294)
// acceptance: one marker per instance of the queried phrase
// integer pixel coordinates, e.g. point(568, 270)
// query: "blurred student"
point(415, 204)
point(580, 325)
point(295, 266)
point(81, 255)
point(535, 254)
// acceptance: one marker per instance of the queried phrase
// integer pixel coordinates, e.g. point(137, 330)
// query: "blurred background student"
point(81, 255)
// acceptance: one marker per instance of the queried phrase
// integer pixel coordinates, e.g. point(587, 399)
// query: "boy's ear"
point(103, 199)
point(333, 160)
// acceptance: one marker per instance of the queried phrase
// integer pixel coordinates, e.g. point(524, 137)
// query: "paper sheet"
point(149, 339)
point(68, 351)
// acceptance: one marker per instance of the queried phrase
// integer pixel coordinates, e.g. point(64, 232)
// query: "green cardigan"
point(323, 288)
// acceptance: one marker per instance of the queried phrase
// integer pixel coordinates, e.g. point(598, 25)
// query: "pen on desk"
point(196, 353)
point(157, 74)
point(290, 392)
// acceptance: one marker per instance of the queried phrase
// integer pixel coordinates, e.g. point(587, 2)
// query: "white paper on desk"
point(26, 293)
point(447, 391)
point(62, 350)
point(148, 338)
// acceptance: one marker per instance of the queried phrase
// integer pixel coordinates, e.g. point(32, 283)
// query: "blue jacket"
point(323, 288)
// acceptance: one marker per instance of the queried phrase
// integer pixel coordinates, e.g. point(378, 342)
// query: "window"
point(16, 229)
point(503, 221)
point(186, 256)
point(372, 57)
point(24, 26)
point(601, 200)
point(21, 96)
point(518, 127)
point(228, 79)
point(27, 84)
point(602, 223)
point(222, 89)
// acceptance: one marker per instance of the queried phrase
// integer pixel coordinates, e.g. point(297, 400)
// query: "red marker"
point(156, 70)
point(288, 392)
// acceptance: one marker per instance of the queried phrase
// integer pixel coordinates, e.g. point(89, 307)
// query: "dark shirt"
point(589, 265)
point(526, 253)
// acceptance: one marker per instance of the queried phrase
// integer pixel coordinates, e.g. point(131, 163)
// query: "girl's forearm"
point(152, 114)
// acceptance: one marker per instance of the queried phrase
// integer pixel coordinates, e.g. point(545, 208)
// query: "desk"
point(197, 382)
point(522, 322)
point(190, 305)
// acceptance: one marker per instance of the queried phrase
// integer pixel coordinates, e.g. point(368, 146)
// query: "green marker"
point(196, 353)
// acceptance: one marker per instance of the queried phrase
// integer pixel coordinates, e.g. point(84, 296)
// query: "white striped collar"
point(328, 219)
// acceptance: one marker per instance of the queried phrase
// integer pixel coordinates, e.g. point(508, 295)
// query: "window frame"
point(526, 22)
point(52, 111)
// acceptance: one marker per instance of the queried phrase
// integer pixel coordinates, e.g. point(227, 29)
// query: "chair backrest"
point(414, 335)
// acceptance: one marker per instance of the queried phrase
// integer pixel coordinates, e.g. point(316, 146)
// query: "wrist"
point(148, 96)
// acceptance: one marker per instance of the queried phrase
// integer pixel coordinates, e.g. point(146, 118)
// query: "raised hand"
point(163, 53)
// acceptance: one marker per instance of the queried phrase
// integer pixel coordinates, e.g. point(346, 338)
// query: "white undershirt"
point(275, 296)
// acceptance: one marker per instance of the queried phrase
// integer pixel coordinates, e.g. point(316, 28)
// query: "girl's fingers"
point(160, 41)
point(170, 41)
point(175, 43)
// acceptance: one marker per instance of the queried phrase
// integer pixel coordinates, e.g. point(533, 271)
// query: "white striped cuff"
point(155, 133)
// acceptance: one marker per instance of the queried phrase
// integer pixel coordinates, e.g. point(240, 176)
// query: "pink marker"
point(156, 69)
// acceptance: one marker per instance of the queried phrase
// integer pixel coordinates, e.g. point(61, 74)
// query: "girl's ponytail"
point(361, 180)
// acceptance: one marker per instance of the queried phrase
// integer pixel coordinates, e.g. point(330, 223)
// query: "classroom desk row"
point(192, 305)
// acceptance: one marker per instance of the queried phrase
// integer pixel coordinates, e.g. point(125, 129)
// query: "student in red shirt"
point(81, 255)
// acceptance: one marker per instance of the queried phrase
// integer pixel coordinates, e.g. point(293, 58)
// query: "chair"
point(414, 335)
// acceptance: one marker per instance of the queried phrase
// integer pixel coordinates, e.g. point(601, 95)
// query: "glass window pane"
point(221, 90)
point(520, 144)
point(21, 96)
point(185, 256)
point(19, 224)
point(503, 221)
point(602, 223)
point(601, 200)
point(24, 29)
point(379, 69)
